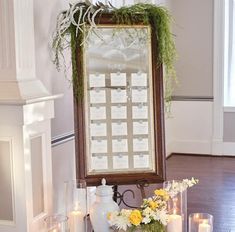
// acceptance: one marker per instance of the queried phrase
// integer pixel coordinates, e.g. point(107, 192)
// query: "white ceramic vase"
point(103, 205)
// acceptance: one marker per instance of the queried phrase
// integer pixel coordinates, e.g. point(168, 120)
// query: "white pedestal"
point(25, 165)
point(26, 108)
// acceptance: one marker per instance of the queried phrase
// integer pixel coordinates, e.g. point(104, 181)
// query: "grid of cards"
point(119, 122)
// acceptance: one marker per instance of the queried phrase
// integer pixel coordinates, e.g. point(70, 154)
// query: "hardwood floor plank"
point(215, 193)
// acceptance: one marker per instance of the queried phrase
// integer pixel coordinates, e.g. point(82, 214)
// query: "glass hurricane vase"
point(176, 206)
point(76, 205)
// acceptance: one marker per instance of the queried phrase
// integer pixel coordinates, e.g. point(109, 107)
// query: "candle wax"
point(76, 221)
point(53, 230)
point(204, 227)
point(175, 223)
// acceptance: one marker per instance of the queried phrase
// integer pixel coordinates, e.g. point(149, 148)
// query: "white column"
point(18, 82)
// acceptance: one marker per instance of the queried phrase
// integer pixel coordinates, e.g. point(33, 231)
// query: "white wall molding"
point(218, 77)
point(63, 138)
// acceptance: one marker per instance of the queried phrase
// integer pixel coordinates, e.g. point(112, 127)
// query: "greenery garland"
point(71, 22)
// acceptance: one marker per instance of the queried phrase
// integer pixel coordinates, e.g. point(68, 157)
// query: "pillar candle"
point(204, 227)
point(175, 223)
point(76, 221)
point(55, 229)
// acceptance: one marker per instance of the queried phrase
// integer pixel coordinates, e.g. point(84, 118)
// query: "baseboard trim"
point(229, 148)
point(190, 146)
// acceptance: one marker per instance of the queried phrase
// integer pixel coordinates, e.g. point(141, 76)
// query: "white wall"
point(193, 29)
point(190, 127)
point(63, 164)
point(45, 13)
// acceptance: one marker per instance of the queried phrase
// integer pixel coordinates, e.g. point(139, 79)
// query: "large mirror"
point(120, 133)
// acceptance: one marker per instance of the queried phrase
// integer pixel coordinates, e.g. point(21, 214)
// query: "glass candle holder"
point(56, 223)
point(200, 222)
point(76, 205)
point(176, 206)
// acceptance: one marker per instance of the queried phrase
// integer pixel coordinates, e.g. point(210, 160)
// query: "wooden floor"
point(215, 193)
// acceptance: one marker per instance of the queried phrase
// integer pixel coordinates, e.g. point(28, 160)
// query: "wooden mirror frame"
point(158, 127)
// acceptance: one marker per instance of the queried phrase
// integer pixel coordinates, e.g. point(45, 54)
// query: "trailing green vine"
point(72, 22)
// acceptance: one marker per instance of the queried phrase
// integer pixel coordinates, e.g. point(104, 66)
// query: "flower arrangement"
point(153, 214)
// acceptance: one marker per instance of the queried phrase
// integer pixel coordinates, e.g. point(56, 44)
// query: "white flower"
point(179, 186)
point(120, 219)
point(162, 216)
point(146, 220)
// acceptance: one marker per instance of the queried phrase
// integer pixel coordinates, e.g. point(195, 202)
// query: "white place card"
point(97, 96)
point(118, 79)
point(99, 162)
point(139, 95)
point(140, 112)
point(98, 129)
point(119, 145)
point(139, 79)
point(119, 128)
point(99, 146)
point(118, 96)
point(97, 113)
point(141, 161)
point(140, 144)
point(140, 128)
point(120, 162)
point(97, 80)
point(119, 112)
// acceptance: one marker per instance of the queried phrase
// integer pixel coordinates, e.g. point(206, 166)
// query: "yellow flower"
point(135, 217)
point(109, 216)
point(162, 193)
point(153, 204)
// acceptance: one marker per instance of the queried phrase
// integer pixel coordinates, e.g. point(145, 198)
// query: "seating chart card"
point(98, 146)
point(119, 145)
point(141, 161)
point(120, 161)
point(118, 79)
point(139, 79)
point(98, 129)
point(140, 144)
point(97, 113)
point(119, 112)
point(97, 96)
point(97, 80)
point(119, 128)
point(140, 127)
point(140, 112)
point(118, 96)
point(139, 95)
point(99, 162)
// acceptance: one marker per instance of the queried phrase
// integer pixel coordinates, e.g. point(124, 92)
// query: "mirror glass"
point(118, 100)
